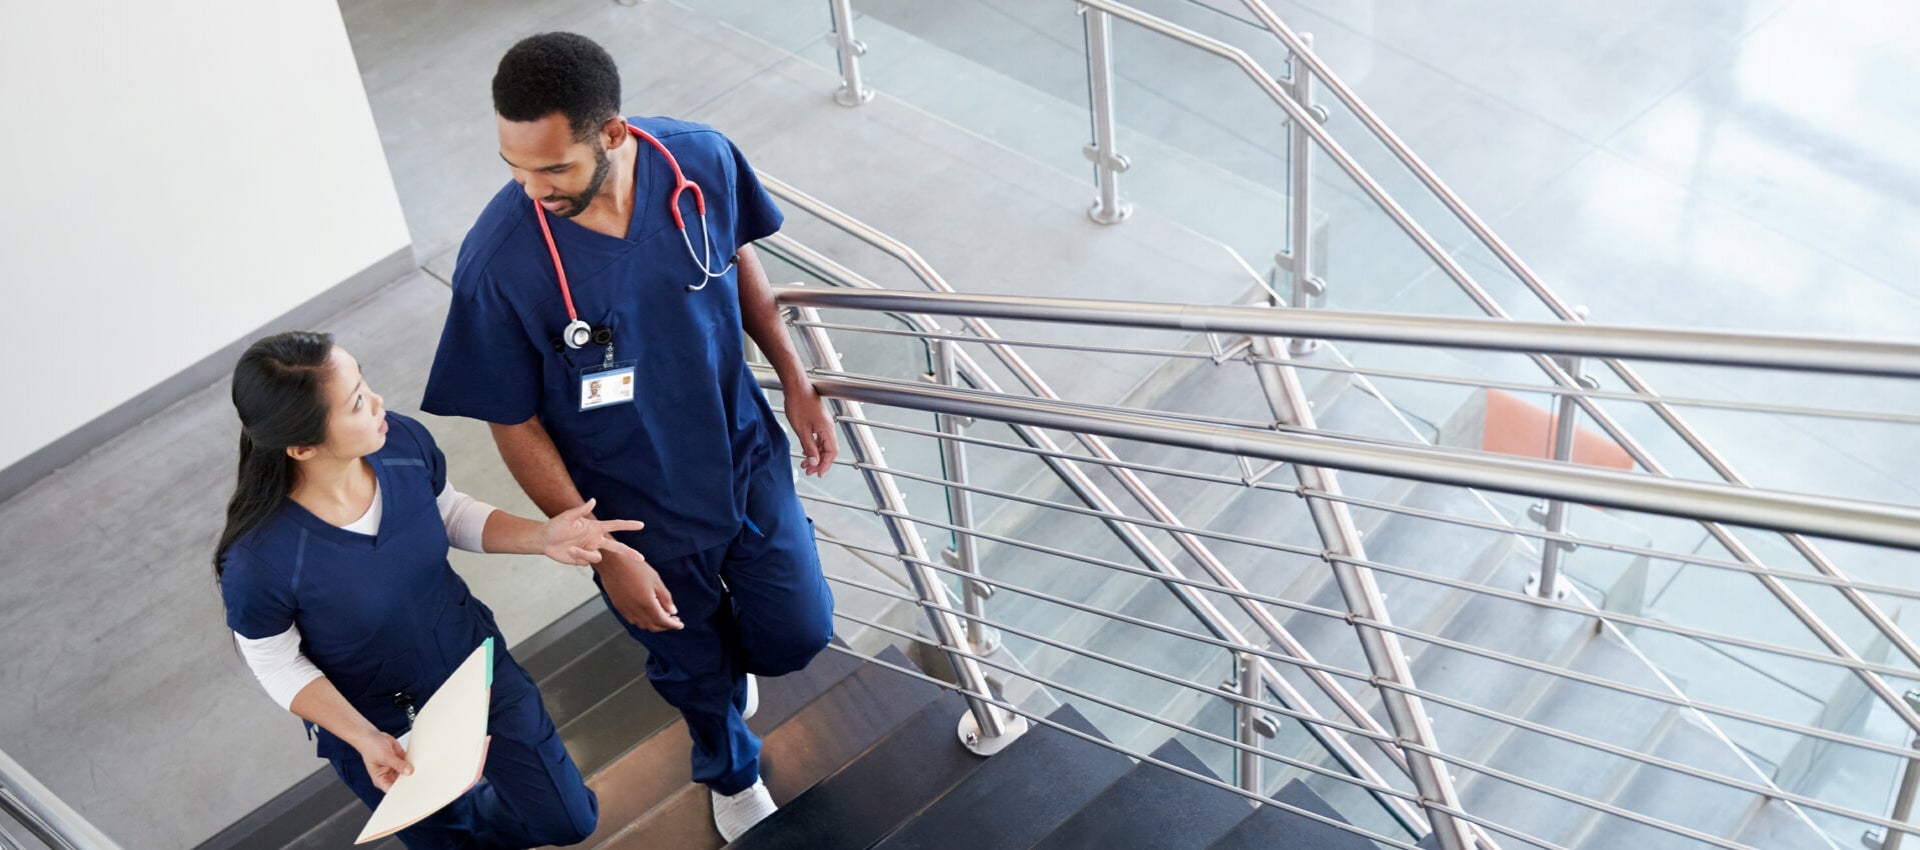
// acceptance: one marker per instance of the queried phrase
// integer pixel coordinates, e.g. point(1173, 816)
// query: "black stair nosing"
point(798, 751)
point(890, 782)
point(1272, 826)
point(1155, 807)
point(1031, 787)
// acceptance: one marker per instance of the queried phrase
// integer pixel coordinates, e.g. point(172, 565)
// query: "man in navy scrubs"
point(598, 310)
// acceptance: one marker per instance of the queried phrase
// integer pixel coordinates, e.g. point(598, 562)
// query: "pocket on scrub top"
point(397, 673)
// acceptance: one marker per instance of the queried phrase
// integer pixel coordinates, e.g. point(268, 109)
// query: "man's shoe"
point(753, 697)
point(734, 814)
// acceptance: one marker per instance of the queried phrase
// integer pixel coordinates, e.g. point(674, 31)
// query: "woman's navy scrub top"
point(382, 615)
point(680, 456)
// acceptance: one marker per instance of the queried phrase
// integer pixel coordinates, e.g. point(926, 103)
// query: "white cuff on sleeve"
point(279, 665)
point(466, 518)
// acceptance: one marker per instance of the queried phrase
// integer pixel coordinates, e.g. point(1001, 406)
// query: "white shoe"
point(734, 814)
point(753, 697)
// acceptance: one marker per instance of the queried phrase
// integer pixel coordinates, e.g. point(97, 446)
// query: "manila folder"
point(447, 748)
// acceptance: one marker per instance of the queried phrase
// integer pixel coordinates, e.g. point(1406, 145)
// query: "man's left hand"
point(807, 413)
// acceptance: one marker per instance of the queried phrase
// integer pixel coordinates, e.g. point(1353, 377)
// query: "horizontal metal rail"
point(1756, 788)
point(1209, 690)
point(1846, 519)
point(1083, 487)
point(1497, 526)
point(1605, 808)
point(1576, 676)
point(1718, 348)
point(1392, 374)
point(1615, 618)
point(44, 814)
point(1298, 113)
point(1109, 745)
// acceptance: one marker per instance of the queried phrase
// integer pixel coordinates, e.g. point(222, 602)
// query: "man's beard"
point(577, 204)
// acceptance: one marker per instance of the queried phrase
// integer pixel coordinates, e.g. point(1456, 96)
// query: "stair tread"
point(1272, 827)
point(596, 674)
point(901, 773)
point(1151, 806)
point(649, 794)
point(1032, 787)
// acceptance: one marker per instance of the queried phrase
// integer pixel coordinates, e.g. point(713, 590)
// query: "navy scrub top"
point(379, 615)
point(678, 458)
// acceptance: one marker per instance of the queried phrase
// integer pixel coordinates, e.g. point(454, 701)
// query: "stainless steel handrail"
point(1627, 753)
point(1098, 741)
point(1770, 351)
point(1391, 508)
point(1307, 122)
point(1450, 810)
point(1612, 617)
point(1301, 50)
point(44, 814)
point(1083, 487)
point(1874, 416)
point(1679, 702)
point(1845, 519)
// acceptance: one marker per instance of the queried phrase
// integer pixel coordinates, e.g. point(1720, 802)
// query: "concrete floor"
point(1725, 163)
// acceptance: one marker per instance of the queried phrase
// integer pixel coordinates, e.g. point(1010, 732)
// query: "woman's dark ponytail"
point(278, 393)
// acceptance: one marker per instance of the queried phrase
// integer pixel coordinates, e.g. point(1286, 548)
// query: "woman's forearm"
point(323, 705)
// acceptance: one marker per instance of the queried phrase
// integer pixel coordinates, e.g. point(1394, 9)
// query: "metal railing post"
point(1546, 583)
point(983, 638)
point(1108, 164)
point(1386, 658)
point(852, 91)
point(1303, 285)
point(1251, 726)
point(985, 728)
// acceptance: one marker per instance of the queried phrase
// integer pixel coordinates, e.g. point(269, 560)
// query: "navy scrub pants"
point(531, 794)
point(757, 604)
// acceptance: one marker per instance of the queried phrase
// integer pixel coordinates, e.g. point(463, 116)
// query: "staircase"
point(858, 754)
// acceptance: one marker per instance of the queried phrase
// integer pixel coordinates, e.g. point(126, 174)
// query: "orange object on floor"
point(1514, 427)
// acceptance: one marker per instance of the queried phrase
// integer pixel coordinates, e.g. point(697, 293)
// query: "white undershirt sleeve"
point(466, 518)
point(279, 665)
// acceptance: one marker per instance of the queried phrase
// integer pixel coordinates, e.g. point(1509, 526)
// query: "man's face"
point(561, 172)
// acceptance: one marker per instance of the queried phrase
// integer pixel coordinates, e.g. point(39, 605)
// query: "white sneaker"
point(753, 697)
point(734, 814)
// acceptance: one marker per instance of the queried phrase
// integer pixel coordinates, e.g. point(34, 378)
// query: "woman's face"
point(356, 416)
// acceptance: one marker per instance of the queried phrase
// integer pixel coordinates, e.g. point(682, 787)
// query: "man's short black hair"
point(558, 72)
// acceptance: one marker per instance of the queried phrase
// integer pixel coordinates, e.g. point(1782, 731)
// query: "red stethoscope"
point(578, 332)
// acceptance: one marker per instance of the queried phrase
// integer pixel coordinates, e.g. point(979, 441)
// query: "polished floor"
point(1720, 163)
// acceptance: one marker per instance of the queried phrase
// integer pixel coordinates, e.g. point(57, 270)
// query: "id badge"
point(606, 386)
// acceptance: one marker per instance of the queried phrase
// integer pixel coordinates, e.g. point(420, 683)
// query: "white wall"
point(176, 173)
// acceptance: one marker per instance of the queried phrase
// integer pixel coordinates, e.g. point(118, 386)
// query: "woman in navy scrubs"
point(333, 566)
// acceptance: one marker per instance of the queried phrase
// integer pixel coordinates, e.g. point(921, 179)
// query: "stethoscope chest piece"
point(577, 333)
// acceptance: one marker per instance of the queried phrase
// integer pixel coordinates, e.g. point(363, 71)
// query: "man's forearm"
point(760, 318)
point(535, 463)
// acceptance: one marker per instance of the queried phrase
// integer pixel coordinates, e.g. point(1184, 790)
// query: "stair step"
point(886, 785)
point(594, 675)
point(649, 796)
point(1151, 806)
point(1027, 790)
point(1274, 828)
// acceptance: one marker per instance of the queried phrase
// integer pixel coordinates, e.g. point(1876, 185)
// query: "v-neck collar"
point(638, 223)
point(383, 488)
